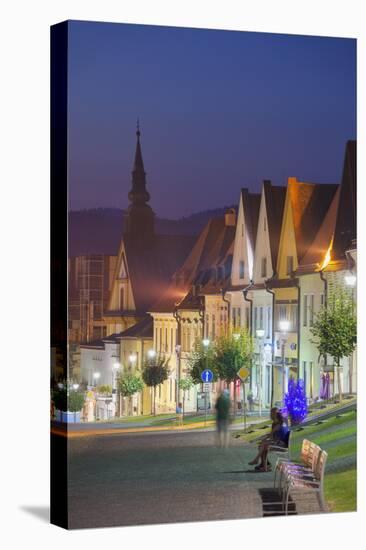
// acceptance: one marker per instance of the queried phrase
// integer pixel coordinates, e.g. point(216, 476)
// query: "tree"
point(199, 359)
point(185, 384)
point(128, 384)
point(233, 351)
point(155, 372)
point(335, 329)
point(295, 401)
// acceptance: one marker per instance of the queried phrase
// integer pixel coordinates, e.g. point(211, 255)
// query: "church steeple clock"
point(140, 216)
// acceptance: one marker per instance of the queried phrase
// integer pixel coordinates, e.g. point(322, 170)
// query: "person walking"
point(179, 412)
point(222, 407)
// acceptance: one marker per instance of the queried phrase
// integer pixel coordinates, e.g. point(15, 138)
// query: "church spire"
point(140, 217)
point(138, 193)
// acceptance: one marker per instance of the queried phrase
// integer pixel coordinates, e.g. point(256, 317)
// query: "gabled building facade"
point(330, 263)
point(265, 264)
point(306, 205)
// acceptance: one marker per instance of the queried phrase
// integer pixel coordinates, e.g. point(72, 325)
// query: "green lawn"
point(341, 491)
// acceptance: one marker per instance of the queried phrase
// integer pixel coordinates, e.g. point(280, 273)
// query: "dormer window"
point(264, 267)
point(241, 269)
point(121, 298)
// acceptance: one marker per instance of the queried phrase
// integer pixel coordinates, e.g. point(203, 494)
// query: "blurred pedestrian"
point(222, 407)
point(179, 412)
point(250, 400)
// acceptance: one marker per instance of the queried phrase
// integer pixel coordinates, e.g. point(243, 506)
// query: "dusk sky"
point(219, 110)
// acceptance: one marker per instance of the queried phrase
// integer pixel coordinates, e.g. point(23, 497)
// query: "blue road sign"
point(207, 375)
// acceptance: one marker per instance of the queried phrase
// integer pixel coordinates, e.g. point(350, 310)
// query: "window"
point(264, 267)
point(305, 312)
point(264, 224)
point(172, 339)
point(242, 230)
point(239, 317)
point(213, 327)
point(255, 318)
point(161, 339)
point(234, 317)
point(261, 318)
point(322, 299)
point(311, 310)
point(290, 265)
point(241, 269)
point(308, 313)
point(121, 298)
point(247, 317)
point(207, 326)
point(282, 313)
point(166, 339)
point(269, 322)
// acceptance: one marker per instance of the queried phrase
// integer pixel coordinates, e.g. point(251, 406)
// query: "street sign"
point(207, 387)
point(243, 373)
point(207, 375)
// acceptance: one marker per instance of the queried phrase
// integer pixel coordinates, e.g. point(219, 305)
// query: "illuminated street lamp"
point(206, 342)
point(350, 280)
point(260, 335)
point(96, 376)
point(132, 358)
point(151, 353)
point(75, 386)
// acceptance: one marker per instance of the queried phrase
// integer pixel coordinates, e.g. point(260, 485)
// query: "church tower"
point(140, 216)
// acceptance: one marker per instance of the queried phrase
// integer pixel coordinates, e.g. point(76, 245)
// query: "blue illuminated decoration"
point(295, 401)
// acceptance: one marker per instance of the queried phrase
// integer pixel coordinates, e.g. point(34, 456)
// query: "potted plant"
point(60, 402)
point(75, 404)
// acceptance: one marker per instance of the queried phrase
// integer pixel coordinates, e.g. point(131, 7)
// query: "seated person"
point(278, 437)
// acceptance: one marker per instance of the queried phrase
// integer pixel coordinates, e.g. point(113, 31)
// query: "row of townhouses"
point(267, 266)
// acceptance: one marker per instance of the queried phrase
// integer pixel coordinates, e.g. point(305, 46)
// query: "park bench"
point(308, 460)
point(305, 482)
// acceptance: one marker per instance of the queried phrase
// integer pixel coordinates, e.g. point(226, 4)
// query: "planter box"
point(70, 417)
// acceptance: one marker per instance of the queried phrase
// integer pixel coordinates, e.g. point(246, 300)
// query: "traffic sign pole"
point(244, 409)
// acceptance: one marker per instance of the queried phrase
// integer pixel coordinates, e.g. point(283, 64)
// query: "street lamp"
point(350, 280)
point(96, 376)
point(132, 358)
point(115, 369)
point(75, 386)
point(260, 336)
point(151, 353)
point(284, 327)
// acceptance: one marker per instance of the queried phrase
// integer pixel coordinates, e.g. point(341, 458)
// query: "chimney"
point(230, 217)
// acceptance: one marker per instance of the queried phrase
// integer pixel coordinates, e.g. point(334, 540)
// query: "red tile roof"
point(275, 202)
point(310, 203)
point(151, 265)
point(346, 224)
point(211, 251)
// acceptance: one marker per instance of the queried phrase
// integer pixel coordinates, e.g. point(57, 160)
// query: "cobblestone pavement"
point(149, 478)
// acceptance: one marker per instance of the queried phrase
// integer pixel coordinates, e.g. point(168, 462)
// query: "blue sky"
point(219, 110)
